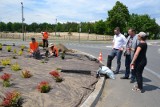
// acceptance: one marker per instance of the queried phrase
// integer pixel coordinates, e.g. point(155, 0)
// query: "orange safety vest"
point(45, 35)
point(33, 46)
point(55, 49)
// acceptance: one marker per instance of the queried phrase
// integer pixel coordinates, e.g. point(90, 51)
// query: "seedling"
point(14, 51)
point(26, 74)
point(15, 67)
point(0, 46)
point(22, 47)
point(63, 55)
point(9, 48)
point(5, 62)
point(20, 52)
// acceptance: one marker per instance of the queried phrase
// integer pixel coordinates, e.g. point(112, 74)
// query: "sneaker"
point(116, 72)
point(132, 81)
point(124, 77)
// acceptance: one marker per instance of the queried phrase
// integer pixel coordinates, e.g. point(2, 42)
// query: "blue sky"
point(71, 10)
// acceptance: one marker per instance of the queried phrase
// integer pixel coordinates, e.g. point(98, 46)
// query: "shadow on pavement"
point(146, 79)
point(148, 87)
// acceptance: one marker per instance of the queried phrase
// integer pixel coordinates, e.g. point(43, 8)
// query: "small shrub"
point(15, 67)
point(63, 55)
point(0, 46)
point(14, 51)
point(56, 76)
point(5, 62)
point(43, 87)
point(22, 47)
point(6, 79)
point(40, 44)
point(14, 57)
point(26, 74)
point(11, 99)
point(20, 52)
point(9, 48)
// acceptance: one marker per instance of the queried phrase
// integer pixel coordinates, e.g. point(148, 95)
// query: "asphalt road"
point(118, 93)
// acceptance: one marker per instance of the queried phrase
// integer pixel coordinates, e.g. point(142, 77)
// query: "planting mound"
point(77, 71)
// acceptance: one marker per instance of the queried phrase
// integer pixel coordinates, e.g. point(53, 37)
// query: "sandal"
point(136, 89)
point(135, 86)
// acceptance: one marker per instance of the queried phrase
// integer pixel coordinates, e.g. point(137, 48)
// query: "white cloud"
point(71, 10)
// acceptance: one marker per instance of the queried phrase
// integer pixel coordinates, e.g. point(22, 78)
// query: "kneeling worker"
point(34, 48)
point(53, 50)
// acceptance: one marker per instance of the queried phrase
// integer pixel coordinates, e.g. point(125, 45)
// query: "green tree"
point(144, 23)
point(9, 26)
point(117, 16)
point(2, 26)
point(100, 27)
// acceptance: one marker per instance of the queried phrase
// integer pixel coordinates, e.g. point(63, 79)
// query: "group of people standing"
point(51, 49)
point(135, 48)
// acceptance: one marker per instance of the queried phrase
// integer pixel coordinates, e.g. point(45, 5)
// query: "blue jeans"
point(127, 64)
point(118, 54)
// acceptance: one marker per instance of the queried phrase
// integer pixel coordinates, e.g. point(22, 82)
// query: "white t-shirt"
point(119, 41)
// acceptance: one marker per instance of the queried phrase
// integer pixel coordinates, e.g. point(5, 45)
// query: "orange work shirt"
point(45, 35)
point(55, 49)
point(33, 46)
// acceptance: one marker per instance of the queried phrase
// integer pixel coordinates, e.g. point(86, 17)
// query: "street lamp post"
point(55, 27)
point(22, 21)
point(79, 31)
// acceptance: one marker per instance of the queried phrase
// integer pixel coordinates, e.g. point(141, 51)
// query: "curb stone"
point(93, 98)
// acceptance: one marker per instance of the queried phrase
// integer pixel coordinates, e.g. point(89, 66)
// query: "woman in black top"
point(139, 61)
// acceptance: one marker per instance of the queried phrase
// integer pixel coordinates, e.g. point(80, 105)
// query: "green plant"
point(12, 99)
point(22, 47)
point(40, 44)
point(0, 46)
point(55, 74)
point(20, 52)
point(15, 67)
point(6, 79)
point(5, 62)
point(63, 55)
point(43, 87)
point(14, 51)
point(58, 69)
point(14, 57)
point(9, 48)
point(26, 74)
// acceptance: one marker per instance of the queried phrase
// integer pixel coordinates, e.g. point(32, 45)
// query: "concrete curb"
point(93, 98)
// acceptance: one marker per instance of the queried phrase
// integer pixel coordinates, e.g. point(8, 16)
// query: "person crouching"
point(53, 50)
point(34, 48)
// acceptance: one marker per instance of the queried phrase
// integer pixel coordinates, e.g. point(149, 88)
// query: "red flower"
point(43, 86)
point(5, 77)
point(55, 74)
point(11, 98)
point(6, 102)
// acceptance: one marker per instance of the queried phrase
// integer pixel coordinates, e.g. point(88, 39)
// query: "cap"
point(142, 34)
point(50, 45)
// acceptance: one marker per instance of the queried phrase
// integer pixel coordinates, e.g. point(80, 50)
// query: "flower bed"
point(71, 92)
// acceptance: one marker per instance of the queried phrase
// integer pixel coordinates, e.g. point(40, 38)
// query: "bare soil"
point(71, 92)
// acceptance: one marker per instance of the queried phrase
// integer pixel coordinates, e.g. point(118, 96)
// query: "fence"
point(59, 36)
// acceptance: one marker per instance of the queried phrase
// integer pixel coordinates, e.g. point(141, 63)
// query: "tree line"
point(117, 16)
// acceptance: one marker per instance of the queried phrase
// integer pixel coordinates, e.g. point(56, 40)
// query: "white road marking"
point(109, 46)
point(153, 72)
